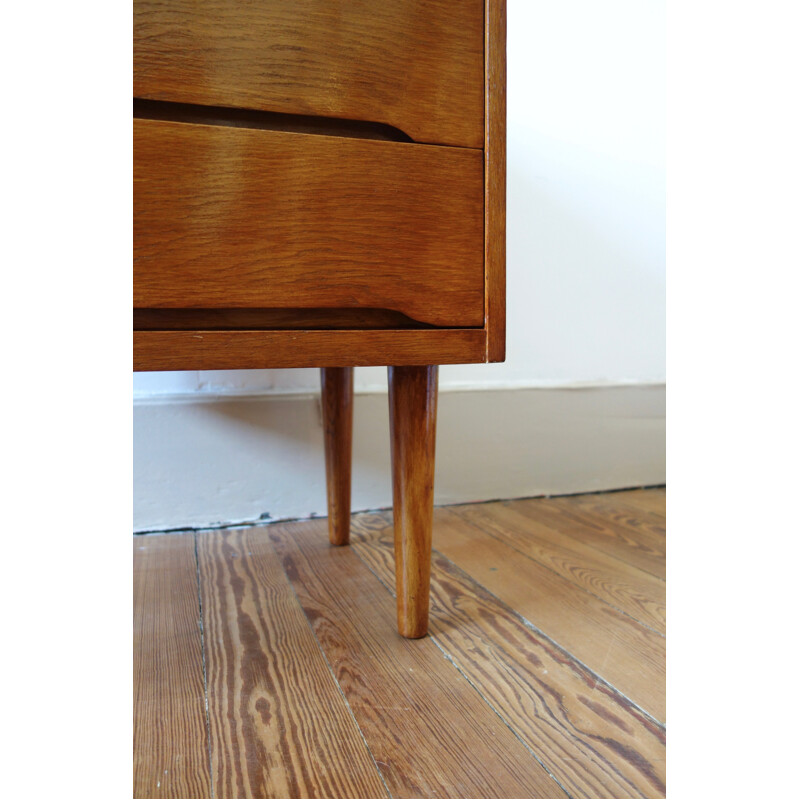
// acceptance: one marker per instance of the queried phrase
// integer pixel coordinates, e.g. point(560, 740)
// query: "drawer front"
point(415, 64)
point(242, 218)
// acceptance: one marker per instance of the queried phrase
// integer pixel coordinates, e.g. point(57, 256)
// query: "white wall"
point(240, 459)
point(586, 207)
point(586, 276)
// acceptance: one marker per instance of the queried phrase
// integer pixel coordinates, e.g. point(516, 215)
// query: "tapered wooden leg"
point(337, 421)
point(412, 416)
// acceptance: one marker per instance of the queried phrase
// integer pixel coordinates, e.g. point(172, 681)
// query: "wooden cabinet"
point(321, 183)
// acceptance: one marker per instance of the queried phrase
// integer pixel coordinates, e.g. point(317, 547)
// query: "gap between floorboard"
point(528, 624)
point(641, 764)
point(205, 674)
point(330, 668)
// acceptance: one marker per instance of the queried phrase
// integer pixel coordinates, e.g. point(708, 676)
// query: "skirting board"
point(207, 462)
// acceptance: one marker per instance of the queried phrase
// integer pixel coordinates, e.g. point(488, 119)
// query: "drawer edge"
point(200, 350)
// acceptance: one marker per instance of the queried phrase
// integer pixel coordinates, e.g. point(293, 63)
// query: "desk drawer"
point(413, 64)
point(242, 218)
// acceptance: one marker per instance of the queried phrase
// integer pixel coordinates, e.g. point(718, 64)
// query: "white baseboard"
point(207, 462)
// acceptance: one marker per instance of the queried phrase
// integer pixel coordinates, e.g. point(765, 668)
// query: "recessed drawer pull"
point(266, 120)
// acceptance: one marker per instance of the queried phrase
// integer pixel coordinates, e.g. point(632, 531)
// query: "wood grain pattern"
point(642, 549)
point(279, 724)
point(337, 425)
point(653, 500)
point(616, 647)
point(170, 740)
point(170, 350)
point(412, 422)
point(427, 709)
point(637, 593)
point(417, 66)
point(591, 738)
point(495, 178)
point(234, 217)
point(651, 527)
point(429, 730)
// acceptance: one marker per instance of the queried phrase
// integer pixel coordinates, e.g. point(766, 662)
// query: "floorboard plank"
point(652, 500)
point(639, 594)
point(593, 741)
point(170, 741)
point(616, 647)
point(640, 548)
point(430, 731)
point(280, 726)
point(619, 511)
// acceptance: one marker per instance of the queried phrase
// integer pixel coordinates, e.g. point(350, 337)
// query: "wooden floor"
point(267, 663)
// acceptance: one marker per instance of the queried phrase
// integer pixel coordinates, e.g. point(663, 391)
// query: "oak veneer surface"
point(416, 65)
point(495, 180)
point(337, 425)
point(234, 217)
point(280, 726)
point(177, 350)
point(413, 394)
point(170, 741)
point(426, 709)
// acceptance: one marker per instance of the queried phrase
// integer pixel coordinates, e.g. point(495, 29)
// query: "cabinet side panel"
point(495, 180)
